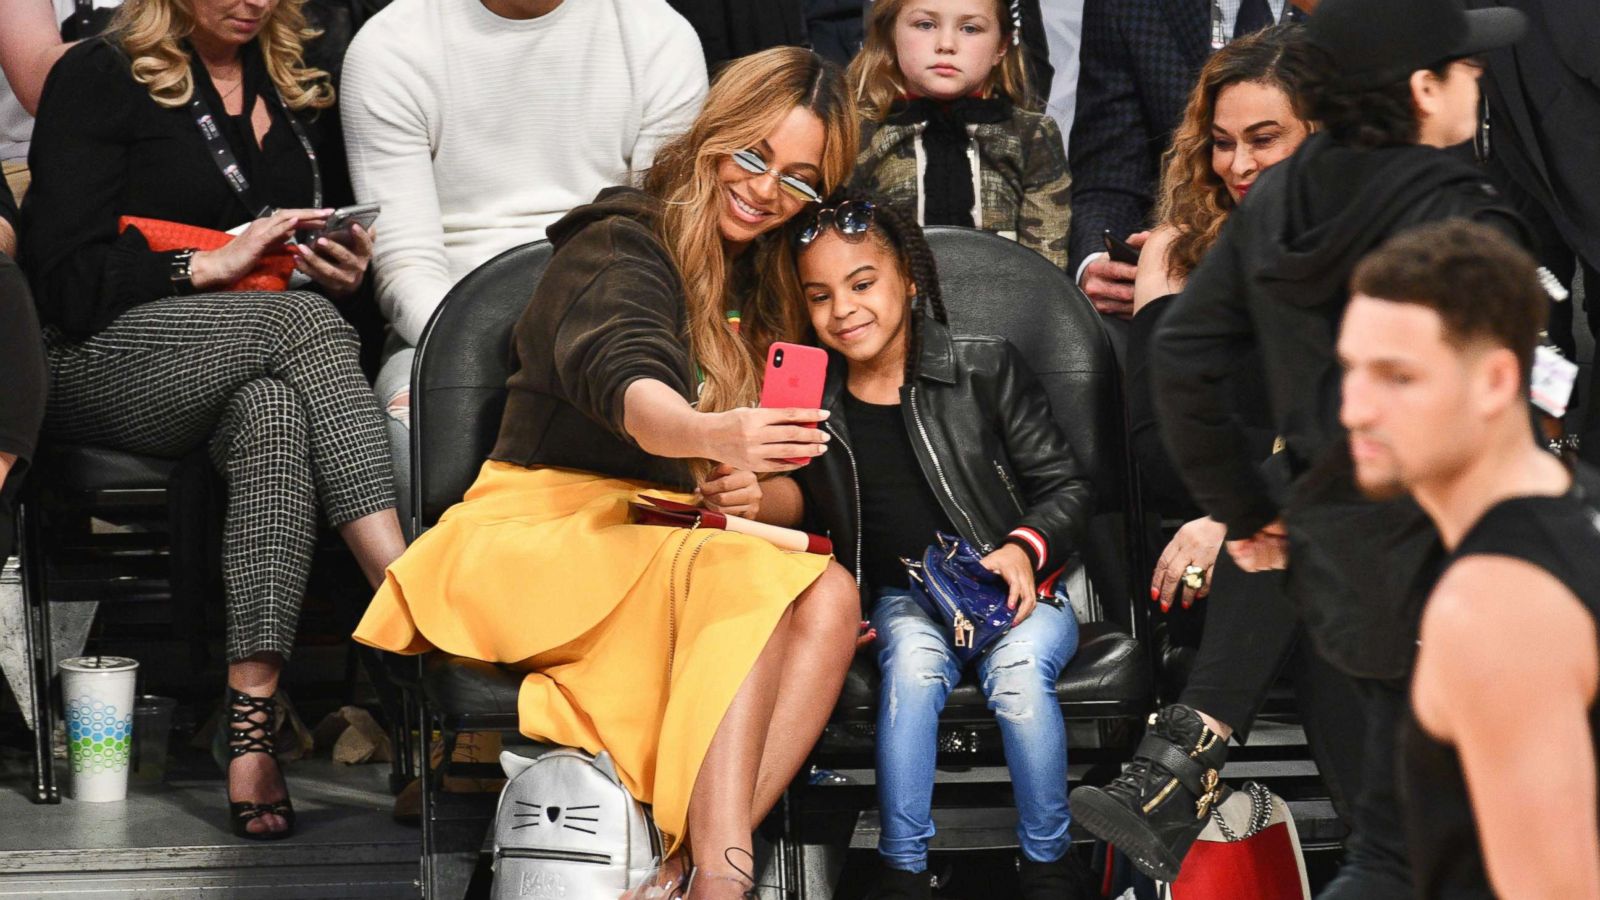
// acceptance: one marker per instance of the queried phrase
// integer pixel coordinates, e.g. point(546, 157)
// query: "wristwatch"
point(182, 278)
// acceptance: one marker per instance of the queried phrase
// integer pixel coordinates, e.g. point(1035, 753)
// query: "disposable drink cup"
point(152, 724)
point(98, 695)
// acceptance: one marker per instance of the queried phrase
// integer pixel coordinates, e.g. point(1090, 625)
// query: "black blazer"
point(1544, 107)
point(1138, 62)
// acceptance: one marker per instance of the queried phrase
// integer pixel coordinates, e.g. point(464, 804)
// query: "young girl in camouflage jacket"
point(944, 93)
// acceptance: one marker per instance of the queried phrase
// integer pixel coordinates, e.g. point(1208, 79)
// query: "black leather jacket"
point(981, 427)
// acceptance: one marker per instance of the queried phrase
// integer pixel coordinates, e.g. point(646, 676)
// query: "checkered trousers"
point(271, 383)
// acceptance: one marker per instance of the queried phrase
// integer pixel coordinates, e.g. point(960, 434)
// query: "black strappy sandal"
point(743, 877)
point(250, 721)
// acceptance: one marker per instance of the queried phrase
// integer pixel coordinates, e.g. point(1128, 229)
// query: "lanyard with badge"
point(222, 154)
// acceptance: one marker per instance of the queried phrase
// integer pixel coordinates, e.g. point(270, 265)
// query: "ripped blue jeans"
point(1019, 679)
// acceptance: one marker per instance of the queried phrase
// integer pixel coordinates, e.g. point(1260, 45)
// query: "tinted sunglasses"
point(751, 161)
point(852, 218)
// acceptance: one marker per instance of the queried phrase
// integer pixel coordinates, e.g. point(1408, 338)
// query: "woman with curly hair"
point(1390, 86)
point(1243, 116)
point(201, 113)
point(1241, 119)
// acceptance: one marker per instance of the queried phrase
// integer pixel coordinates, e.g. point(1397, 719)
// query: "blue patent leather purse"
point(951, 585)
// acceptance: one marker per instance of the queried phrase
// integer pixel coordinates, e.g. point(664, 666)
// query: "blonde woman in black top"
point(148, 352)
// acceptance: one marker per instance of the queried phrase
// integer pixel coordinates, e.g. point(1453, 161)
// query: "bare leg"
point(255, 777)
point(376, 540)
point(822, 640)
point(719, 807)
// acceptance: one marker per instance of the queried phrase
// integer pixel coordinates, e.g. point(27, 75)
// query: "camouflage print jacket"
point(1022, 170)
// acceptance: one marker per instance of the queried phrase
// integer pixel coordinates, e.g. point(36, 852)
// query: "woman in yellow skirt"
point(705, 662)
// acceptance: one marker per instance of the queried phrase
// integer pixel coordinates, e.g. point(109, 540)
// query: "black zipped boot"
point(898, 884)
point(1065, 879)
point(1160, 803)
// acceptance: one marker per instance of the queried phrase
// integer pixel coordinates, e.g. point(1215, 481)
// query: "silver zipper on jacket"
point(855, 483)
point(1005, 479)
point(938, 470)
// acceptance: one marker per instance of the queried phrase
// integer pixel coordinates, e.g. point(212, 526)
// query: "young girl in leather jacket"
point(938, 432)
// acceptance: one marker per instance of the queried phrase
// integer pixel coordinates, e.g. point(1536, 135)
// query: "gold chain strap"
point(672, 591)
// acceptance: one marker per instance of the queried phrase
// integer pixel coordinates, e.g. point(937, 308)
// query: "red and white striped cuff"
point(1034, 541)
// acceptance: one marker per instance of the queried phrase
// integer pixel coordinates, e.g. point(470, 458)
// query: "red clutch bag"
point(658, 511)
point(270, 274)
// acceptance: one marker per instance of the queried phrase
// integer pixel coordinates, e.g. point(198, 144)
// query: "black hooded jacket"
point(1277, 280)
point(982, 430)
point(608, 312)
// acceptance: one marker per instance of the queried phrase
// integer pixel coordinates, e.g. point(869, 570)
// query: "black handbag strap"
point(228, 164)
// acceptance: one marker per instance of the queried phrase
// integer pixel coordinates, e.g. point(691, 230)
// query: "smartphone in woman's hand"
point(337, 228)
point(794, 379)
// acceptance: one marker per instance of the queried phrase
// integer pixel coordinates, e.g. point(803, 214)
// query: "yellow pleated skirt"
point(635, 637)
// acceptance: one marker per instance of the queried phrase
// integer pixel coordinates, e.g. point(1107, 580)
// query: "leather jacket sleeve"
point(1059, 496)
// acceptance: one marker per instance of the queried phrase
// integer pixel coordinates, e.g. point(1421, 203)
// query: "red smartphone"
point(794, 380)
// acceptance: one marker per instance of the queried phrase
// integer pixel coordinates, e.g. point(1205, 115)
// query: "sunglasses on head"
point(852, 218)
point(752, 162)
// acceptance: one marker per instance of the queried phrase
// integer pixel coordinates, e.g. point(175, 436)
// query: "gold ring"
point(1194, 577)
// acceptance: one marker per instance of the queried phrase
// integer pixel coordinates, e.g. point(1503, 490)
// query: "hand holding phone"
point(337, 228)
point(1120, 250)
point(794, 379)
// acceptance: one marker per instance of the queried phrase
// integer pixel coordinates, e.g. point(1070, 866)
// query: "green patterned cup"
point(97, 692)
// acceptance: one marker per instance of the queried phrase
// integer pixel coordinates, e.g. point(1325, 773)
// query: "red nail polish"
point(1155, 594)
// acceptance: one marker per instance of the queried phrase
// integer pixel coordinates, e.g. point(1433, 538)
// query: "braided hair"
point(896, 230)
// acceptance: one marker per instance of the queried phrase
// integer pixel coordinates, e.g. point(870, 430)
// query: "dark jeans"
point(1375, 865)
point(1252, 631)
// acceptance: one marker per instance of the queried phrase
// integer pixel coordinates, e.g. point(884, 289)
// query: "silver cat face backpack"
point(566, 828)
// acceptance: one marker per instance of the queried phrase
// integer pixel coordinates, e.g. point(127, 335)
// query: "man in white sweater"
point(478, 123)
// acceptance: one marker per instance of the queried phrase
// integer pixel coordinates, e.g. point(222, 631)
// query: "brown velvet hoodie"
point(608, 312)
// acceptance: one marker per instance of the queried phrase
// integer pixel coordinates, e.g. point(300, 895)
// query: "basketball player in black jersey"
point(1498, 761)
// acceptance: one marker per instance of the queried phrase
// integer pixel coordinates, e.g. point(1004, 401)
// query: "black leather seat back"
point(458, 381)
point(995, 286)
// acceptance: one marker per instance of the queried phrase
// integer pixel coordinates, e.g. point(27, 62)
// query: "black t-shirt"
point(899, 512)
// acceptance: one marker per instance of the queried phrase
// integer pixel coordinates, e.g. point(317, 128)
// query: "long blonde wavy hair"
point(874, 75)
point(746, 103)
point(1193, 199)
point(151, 32)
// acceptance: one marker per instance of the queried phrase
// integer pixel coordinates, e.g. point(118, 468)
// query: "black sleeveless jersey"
point(1562, 536)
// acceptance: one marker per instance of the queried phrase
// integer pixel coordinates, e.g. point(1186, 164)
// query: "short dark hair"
point(1479, 281)
point(1359, 117)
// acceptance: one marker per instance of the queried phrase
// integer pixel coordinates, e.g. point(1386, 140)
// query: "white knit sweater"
point(476, 132)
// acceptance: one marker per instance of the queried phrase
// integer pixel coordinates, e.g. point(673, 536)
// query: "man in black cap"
point(1390, 83)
